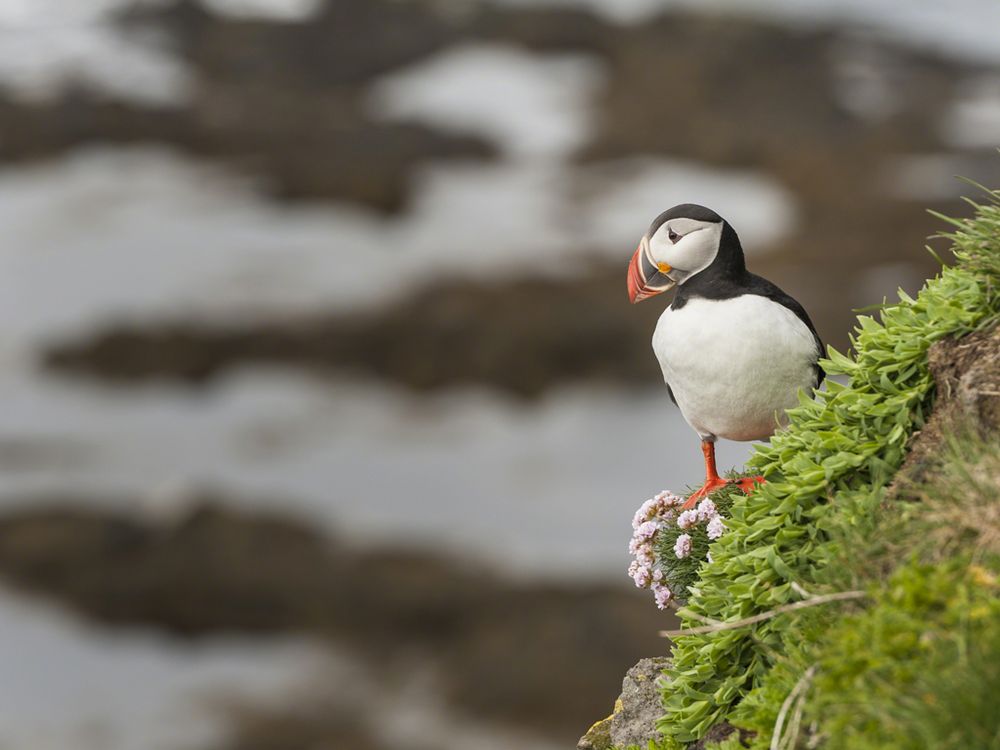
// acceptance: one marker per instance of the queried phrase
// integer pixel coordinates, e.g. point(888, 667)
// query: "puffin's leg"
point(712, 479)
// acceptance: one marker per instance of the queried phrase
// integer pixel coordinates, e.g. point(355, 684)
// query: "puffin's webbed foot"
point(748, 484)
point(710, 486)
point(713, 481)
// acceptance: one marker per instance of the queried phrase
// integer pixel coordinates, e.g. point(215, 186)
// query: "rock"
point(638, 708)
point(598, 737)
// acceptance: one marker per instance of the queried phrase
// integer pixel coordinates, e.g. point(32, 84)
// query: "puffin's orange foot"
point(748, 484)
point(711, 485)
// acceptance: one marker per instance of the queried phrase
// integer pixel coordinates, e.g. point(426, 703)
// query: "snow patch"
point(623, 196)
point(529, 104)
point(47, 46)
point(974, 121)
point(41, 62)
point(69, 684)
point(964, 29)
point(274, 10)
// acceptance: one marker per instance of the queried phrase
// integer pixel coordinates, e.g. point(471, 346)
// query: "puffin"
point(734, 348)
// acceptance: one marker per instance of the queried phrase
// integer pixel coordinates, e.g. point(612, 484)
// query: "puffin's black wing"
point(765, 288)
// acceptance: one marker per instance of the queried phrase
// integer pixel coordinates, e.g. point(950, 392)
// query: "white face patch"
point(692, 251)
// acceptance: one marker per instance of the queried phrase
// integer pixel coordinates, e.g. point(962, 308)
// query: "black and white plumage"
point(734, 348)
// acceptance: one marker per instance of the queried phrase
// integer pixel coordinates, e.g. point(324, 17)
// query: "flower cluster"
point(654, 514)
point(666, 540)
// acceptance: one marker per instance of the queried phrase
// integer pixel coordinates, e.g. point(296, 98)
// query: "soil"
point(966, 374)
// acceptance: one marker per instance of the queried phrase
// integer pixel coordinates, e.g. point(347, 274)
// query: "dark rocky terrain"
point(539, 656)
point(285, 102)
point(524, 337)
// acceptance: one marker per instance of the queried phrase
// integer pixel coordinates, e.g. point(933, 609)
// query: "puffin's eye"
point(672, 235)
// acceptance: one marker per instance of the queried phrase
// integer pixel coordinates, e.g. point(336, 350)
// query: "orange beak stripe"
point(646, 279)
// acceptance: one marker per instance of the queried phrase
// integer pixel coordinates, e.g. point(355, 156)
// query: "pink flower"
point(669, 499)
point(706, 510)
point(646, 511)
point(682, 547)
point(647, 530)
point(687, 519)
point(661, 506)
point(716, 528)
point(641, 576)
point(662, 595)
point(645, 556)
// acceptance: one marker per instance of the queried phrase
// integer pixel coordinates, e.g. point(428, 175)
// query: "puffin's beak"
point(645, 278)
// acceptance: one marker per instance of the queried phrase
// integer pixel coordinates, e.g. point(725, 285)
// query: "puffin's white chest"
point(735, 365)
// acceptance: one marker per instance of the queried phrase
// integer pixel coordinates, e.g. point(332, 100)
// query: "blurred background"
point(323, 414)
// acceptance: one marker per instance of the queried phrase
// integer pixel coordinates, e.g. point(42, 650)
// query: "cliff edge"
point(870, 561)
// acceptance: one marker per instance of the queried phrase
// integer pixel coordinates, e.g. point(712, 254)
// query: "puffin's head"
point(681, 242)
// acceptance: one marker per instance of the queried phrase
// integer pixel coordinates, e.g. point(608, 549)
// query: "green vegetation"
point(884, 669)
point(918, 666)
